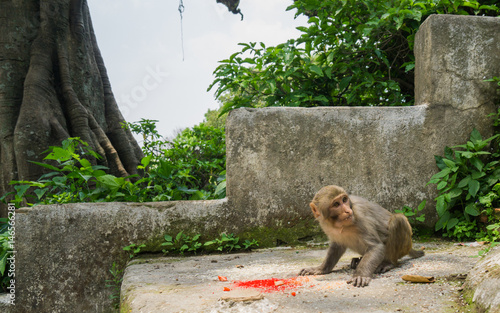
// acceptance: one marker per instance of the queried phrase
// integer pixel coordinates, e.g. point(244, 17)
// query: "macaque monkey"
point(379, 236)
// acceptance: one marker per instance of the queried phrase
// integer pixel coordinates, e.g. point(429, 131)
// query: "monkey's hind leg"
point(382, 268)
point(398, 242)
point(385, 266)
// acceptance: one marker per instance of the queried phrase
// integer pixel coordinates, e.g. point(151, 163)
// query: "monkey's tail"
point(399, 238)
point(416, 253)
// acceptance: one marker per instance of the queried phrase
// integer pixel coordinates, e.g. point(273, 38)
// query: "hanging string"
point(181, 10)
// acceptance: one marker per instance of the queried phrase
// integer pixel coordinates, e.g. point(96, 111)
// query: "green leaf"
point(473, 187)
point(85, 163)
point(442, 185)
point(59, 154)
point(442, 174)
point(477, 163)
point(449, 163)
point(21, 189)
point(316, 69)
point(409, 67)
point(475, 136)
point(464, 182)
point(50, 167)
point(344, 83)
point(471, 209)
point(146, 160)
point(451, 223)
point(477, 175)
point(455, 192)
point(110, 181)
point(440, 205)
point(40, 192)
point(442, 221)
point(421, 206)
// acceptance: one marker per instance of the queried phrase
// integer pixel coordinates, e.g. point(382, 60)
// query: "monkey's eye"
point(335, 204)
point(345, 199)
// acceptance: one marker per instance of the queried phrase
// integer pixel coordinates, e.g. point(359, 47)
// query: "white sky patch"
point(141, 44)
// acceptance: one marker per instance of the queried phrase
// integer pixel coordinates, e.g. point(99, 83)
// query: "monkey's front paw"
point(359, 281)
point(311, 271)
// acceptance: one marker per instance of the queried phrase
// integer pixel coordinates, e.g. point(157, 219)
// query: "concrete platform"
point(191, 284)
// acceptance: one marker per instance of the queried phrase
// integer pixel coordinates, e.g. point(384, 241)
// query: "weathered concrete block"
point(65, 252)
point(455, 54)
point(277, 158)
point(482, 286)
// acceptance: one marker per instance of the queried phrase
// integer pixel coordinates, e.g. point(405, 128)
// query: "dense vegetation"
point(469, 188)
point(351, 53)
point(190, 167)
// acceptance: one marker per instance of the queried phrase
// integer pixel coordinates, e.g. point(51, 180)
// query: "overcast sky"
point(141, 44)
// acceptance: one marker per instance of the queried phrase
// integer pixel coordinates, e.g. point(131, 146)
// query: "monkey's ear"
point(315, 210)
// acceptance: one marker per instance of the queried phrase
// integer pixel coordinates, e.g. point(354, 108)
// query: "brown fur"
point(364, 227)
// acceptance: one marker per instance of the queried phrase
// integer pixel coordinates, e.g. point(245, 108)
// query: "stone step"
point(191, 284)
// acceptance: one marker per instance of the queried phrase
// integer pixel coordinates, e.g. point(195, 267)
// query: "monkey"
point(379, 236)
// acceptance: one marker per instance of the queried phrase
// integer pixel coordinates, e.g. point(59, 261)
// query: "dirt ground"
point(191, 284)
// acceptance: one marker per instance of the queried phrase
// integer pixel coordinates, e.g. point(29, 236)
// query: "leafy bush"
point(115, 284)
point(183, 243)
point(73, 179)
point(191, 167)
point(468, 186)
point(413, 215)
point(5, 251)
point(351, 53)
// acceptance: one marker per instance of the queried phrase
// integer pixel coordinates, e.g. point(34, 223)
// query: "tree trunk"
point(54, 85)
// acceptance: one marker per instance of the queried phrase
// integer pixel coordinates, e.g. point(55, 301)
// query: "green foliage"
point(495, 116)
point(152, 142)
point(413, 214)
point(133, 249)
point(5, 252)
point(351, 53)
point(214, 118)
point(190, 167)
point(468, 186)
point(197, 157)
point(225, 243)
point(115, 284)
point(73, 179)
point(183, 243)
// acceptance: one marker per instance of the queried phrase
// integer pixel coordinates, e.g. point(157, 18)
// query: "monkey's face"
point(339, 212)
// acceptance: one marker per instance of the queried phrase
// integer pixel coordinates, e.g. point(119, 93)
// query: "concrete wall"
point(277, 159)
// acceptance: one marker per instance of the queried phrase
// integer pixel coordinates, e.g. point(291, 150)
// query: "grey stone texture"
point(483, 283)
point(277, 158)
point(169, 284)
point(65, 252)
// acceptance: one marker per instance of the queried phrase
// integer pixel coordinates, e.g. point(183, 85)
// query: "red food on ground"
point(269, 285)
point(294, 294)
point(222, 278)
point(227, 289)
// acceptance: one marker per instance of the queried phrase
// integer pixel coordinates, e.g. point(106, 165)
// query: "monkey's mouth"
point(348, 218)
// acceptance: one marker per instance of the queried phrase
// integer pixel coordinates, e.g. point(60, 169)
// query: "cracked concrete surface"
point(191, 284)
